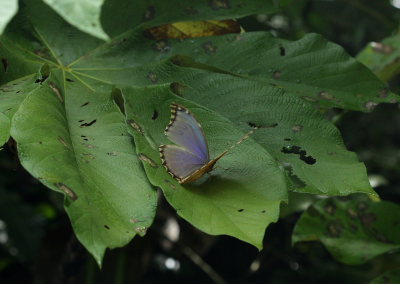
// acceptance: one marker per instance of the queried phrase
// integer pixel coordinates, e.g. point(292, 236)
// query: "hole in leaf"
point(240, 210)
point(69, 80)
point(88, 123)
point(85, 104)
point(298, 151)
point(155, 115)
point(107, 227)
point(263, 211)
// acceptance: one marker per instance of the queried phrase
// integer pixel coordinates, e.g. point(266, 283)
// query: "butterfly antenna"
point(244, 138)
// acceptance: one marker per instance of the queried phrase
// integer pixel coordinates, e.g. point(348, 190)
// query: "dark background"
point(37, 244)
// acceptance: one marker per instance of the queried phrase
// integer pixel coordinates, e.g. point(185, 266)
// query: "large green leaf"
point(354, 231)
point(8, 9)
point(147, 13)
point(11, 96)
point(311, 68)
point(83, 14)
point(382, 57)
point(240, 197)
point(79, 145)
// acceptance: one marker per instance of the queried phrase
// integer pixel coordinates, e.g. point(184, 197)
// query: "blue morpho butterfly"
point(189, 159)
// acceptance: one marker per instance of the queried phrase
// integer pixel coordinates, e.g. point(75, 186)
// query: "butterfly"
point(188, 159)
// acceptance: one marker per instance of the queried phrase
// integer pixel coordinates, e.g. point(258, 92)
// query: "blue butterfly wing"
point(185, 131)
point(179, 162)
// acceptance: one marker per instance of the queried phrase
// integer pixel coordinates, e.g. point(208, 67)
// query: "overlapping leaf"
point(81, 147)
point(240, 197)
point(354, 231)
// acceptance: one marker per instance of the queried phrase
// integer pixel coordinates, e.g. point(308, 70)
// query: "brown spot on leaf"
point(330, 208)
point(384, 93)
point(135, 126)
point(147, 160)
point(62, 141)
point(170, 184)
point(209, 47)
point(381, 48)
point(220, 4)
point(67, 190)
point(161, 46)
point(277, 74)
point(149, 14)
point(152, 77)
point(297, 128)
point(352, 213)
point(325, 95)
point(310, 99)
point(335, 229)
point(56, 91)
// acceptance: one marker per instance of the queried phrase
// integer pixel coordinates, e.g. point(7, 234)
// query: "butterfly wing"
point(179, 162)
point(185, 131)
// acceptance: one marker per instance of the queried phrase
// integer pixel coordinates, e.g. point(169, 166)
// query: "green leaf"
point(152, 13)
point(389, 277)
point(83, 14)
point(240, 197)
point(354, 231)
point(8, 9)
point(382, 57)
point(312, 68)
point(78, 144)
point(11, 96)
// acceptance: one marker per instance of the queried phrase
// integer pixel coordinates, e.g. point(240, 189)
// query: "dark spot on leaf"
point(298, 151)
point(161, 46)
point(85, 104)
point(191, 11)
point(310, 99)
point(263, 211)
point(41, 79)
point(152, 77)
point(282, 51)
point(367, 219)
point(209, 47)
point(146, 159)
point(335, 228)
point(149, 14)
point(384, 93)
point(330, 208)
point(381, 47)
point(325, 95)
point(105, 226)
point(5, 64)
point(352, 213)
point(67, 190)
point(287, 139)
point(219, 4)
point(136, 126)
point(256, 126)
point(69, 80)
point(86, 124)
point(277, 74)
point(111, 153)
point(81, 120)
point(240, 210)
point(155, 115)
point(370, 105)
point(178, 89)
point(297, 128)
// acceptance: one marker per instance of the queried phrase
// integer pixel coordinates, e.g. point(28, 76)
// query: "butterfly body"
point(188, 160)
